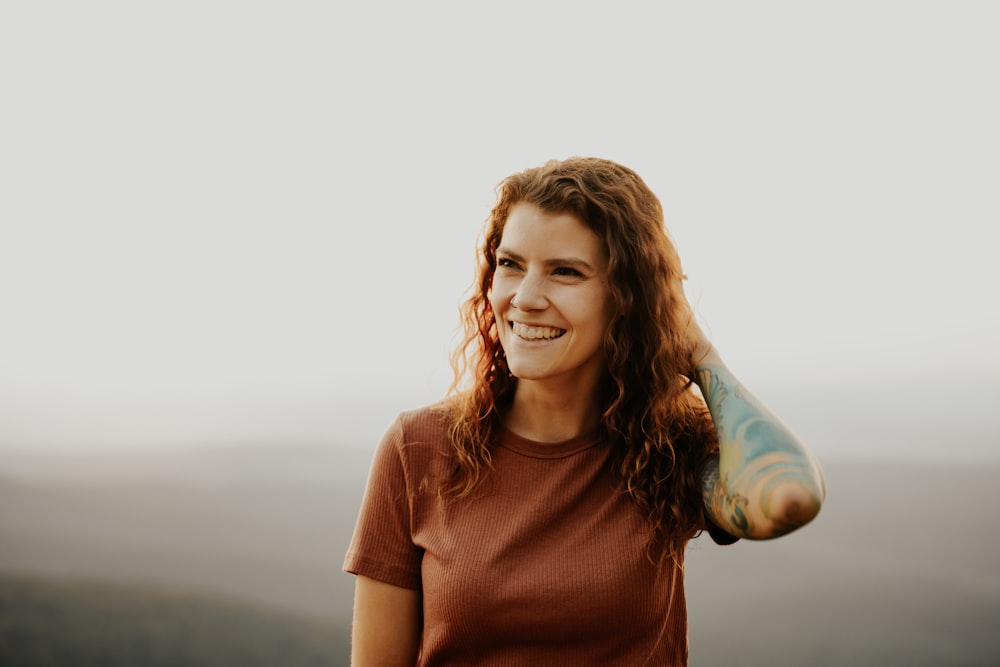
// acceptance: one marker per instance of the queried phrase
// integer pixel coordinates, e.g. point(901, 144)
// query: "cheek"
point(608, 315)
point(495, 300)
point(500, 291)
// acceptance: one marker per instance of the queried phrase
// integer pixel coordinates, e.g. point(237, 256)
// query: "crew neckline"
point(546, 450)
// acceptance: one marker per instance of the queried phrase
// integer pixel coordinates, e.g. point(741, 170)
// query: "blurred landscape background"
point(231, 555)
point(234, 236)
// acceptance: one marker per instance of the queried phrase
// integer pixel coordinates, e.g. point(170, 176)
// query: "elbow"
point(787, 508)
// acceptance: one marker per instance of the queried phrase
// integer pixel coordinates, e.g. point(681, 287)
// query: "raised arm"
point(765, 482)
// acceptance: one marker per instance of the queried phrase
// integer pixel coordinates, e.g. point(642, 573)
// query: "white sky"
point(218, 219)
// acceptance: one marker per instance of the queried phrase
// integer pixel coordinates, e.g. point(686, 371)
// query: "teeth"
point(537, 333)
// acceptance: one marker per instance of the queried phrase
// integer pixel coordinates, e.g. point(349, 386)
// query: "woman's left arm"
point(765, 482)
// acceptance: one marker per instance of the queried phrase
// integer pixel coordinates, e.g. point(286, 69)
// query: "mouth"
point(535, 333)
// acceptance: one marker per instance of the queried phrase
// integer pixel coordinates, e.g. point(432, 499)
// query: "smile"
point(536, 333)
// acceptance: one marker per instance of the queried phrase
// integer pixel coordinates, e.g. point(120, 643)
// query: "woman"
point(539, 514)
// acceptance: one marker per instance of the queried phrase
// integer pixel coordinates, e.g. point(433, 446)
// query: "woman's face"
point(551, 298)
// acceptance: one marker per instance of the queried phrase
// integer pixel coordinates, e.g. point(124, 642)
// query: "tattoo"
point(714, 391)
point(723, 505)
point(761, 455)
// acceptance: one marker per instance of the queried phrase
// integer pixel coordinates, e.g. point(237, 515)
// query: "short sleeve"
point(382, 547)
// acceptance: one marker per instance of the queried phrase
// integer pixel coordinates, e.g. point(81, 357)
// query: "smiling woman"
point(540, 513)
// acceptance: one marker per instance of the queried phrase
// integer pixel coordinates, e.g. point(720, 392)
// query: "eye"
point(506, 263)
point(568, 271)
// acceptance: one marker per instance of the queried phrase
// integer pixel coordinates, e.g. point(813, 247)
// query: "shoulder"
point(419, 438)
point(424, 425)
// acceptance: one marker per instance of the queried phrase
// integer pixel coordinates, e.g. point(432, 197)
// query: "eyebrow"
point(556, 261)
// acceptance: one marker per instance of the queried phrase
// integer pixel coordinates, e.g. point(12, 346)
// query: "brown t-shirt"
point(546, 564)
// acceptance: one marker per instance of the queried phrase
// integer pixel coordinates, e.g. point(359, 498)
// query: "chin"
point(526, 373)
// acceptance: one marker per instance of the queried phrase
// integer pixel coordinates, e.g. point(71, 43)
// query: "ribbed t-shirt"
point(545, 564)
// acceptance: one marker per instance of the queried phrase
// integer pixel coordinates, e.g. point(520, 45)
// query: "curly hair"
point(660, 430)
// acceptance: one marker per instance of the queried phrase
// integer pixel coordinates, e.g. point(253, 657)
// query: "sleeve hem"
point(384, 573)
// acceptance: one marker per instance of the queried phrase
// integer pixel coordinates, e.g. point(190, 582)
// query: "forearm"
point(765, 482)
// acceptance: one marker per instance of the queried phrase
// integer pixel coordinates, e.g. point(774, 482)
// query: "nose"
point(530, 293)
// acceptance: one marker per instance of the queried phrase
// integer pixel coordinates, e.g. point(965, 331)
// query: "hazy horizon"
point(935, 420)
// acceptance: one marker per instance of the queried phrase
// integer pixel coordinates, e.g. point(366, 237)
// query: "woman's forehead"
point(530, 230)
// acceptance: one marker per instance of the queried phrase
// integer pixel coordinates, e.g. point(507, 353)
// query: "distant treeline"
point(82, 623)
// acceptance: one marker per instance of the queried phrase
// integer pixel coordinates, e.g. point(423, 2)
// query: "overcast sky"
point(228, 221)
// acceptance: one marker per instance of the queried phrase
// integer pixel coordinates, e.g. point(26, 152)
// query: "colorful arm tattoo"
point(764, 483)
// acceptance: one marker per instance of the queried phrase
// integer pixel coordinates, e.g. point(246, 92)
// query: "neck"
point(551, 416)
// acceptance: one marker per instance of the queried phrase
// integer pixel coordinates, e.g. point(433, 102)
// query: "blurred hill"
point(901, 567)
point(109, 535)
point(85, 623)
point(264, 523)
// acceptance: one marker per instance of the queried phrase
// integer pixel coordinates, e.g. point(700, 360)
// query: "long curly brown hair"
point(660, 429)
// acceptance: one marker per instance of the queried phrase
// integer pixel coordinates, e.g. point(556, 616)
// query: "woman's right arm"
point(387, 625)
